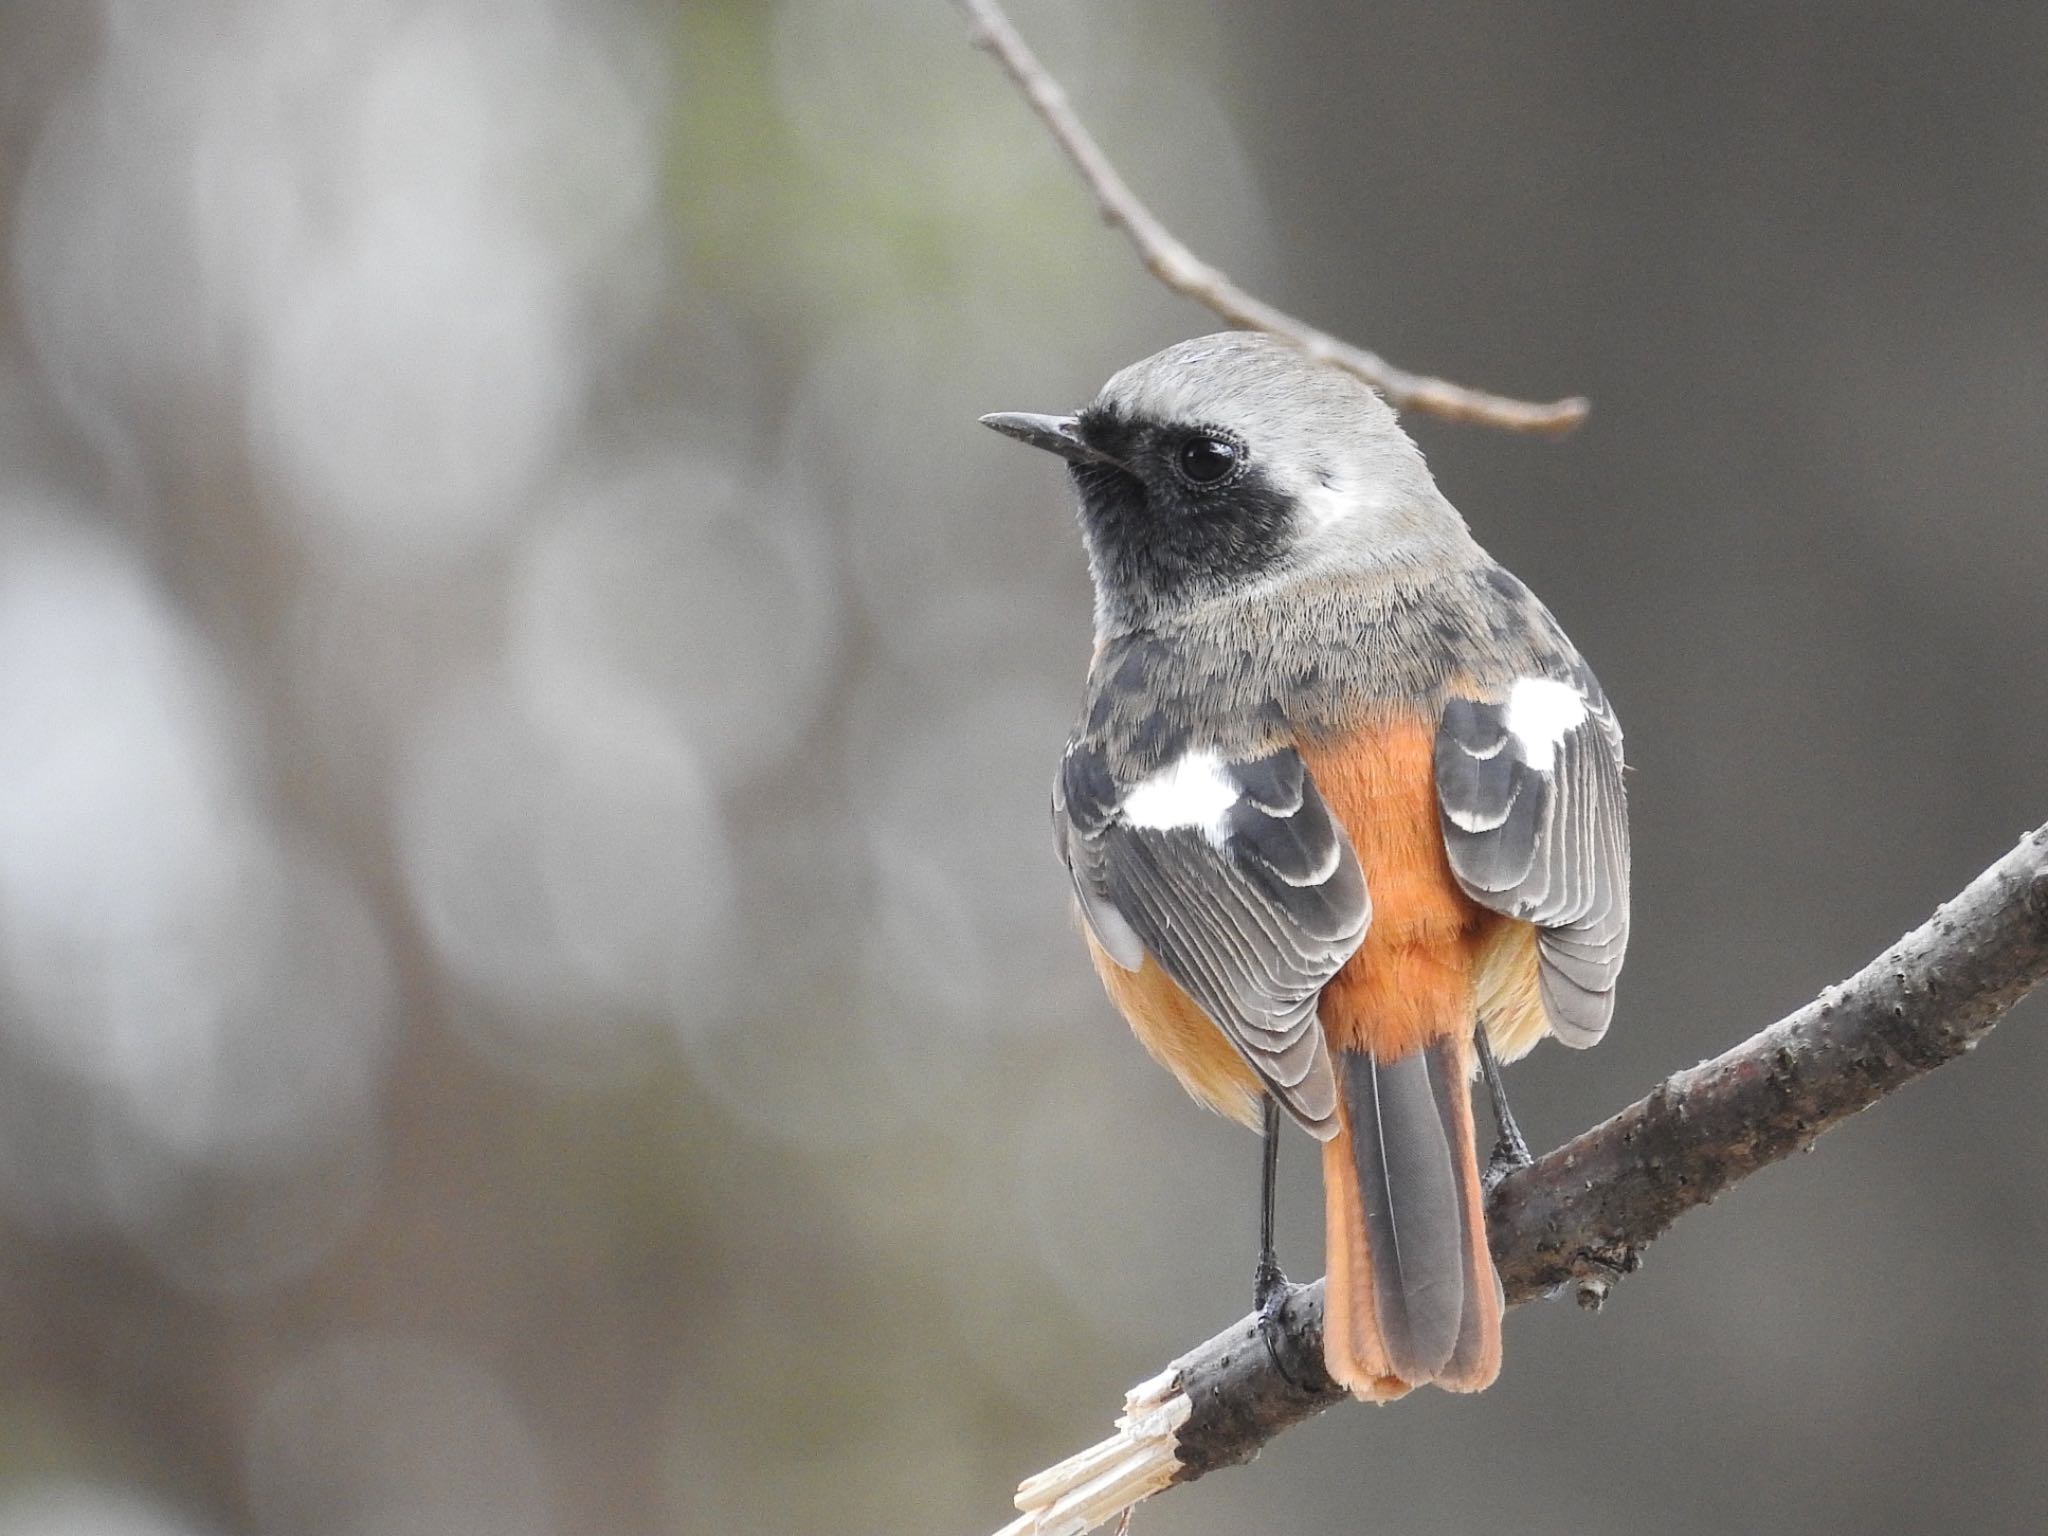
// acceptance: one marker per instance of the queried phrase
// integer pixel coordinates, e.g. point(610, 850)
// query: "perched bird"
point(1344, 810)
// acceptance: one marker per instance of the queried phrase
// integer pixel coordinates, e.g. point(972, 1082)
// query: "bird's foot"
point(1271, 1293)
point(1269, 1289)
point(1510, 1155)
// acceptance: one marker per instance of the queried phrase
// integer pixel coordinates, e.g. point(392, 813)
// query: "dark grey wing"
point(1235, 877)
point(1536, 822)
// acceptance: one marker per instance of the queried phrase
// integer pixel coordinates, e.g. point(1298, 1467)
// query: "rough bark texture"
point(1582, 1215)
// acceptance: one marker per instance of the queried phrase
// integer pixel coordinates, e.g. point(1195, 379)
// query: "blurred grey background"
point(535, 996)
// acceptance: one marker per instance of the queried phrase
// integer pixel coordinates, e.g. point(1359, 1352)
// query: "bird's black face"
point(1235, 461)
point(1174, 511)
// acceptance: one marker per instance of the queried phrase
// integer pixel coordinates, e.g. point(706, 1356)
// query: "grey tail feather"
point(1402, 1137)
point(1479, 1330)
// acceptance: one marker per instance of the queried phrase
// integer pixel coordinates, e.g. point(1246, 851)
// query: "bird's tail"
point(1412, 1294)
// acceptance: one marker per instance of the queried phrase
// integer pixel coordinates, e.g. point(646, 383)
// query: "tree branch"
point(1167, 259)
point(1580, 1217)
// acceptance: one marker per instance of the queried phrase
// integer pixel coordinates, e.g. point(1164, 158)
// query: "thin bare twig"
point(1579, 1219)
point(1167, 259)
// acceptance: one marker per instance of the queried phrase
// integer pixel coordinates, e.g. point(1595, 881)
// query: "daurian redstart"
point(1344, 809)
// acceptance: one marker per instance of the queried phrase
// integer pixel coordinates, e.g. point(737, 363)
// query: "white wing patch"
point(1541, 712)
point(1192, 791)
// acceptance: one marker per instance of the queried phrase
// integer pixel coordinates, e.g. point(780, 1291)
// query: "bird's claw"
point(1510, 1155)
point(1270, 1294)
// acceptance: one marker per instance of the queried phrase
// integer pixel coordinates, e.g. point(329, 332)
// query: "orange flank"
point(1180, 1036)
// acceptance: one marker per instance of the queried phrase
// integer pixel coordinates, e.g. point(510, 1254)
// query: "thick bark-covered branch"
point(1167, 259)
point(1580, 1217)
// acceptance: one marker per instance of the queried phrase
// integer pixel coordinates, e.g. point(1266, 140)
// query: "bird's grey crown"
point(1251, 383)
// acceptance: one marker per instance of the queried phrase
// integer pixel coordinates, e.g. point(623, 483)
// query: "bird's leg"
point(1269, 1286)
point(1510, 1151)
point(1270, 1290)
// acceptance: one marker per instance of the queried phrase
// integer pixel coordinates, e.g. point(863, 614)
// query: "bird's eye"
point(1207, 460)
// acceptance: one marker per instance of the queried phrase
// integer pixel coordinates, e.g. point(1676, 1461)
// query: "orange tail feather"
point(1412, 1296)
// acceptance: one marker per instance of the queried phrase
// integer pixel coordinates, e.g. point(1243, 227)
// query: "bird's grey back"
point(1243, 674)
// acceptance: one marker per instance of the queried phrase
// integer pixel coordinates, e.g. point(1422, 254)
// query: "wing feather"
point(1535, 819)
point(1250, 909)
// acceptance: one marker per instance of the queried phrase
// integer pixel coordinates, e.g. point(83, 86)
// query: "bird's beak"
point(1055, 434)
